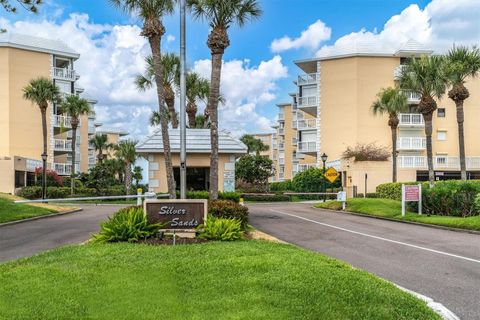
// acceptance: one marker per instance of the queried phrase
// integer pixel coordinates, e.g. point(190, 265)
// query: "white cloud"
point(170, 38)
point(111, 56)
point(246, 89)
point(438, 26)
point(311, 38)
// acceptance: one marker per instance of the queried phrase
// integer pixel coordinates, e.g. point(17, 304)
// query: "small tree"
point(137, 175)
point(100, 144)
point(254, 169)
point(312, 180)
point(253, 144)
point(126, 151)
point(366, 152)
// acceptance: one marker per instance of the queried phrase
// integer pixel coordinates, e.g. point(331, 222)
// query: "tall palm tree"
point(75, 107)
point(461, 63)
point(221, 15)
point(200, 122)
point(425, 76)
point(152, 12)
point(253, 144)
point(391, 101)
point(171, 74)
point(42, 91)
point(198, 88)
point(125, 150)
point(100, 144)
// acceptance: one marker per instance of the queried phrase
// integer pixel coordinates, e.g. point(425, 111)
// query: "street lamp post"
point(324, 160)
point(44, 176)
point(183, 89)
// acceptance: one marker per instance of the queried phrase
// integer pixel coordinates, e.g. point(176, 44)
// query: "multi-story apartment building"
point(23, 58)
point(113, 138)
point(331, 111)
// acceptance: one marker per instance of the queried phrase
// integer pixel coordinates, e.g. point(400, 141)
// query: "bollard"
point(241, 202)
point(139, 199)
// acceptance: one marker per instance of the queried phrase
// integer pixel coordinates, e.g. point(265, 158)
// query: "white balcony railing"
point(64, 73)
point(412, 162)
point(294, 140)
point(281, 117)
point(281, 146)
point(308, 124)
point(306, 79)
point(281, 131)
point(62, 168)
point(307, 147)
point(439, 162)
point(413, 97)
point(308, 101)
point(411, 119)
point(91, 160)
point(281, 161)
point(62, 145)
point(62, 121)
point(304, 167)
point(411, 143)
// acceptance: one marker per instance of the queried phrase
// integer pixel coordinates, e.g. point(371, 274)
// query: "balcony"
point(411, 143)
point(281, 146)
point(307, 147)
point(91, 146)
point(91, 160)
point(294, 141)
point(412, 162)
point(281, 161)
point(439, 162)
point(281, 131)
point(306, 79)
point(310, 124)
point(64, 74)
point(281, 117)
point(62, 145)
point(413, 120)
point(62, 169)
point(62, 121)
point(413, 97)
point(308, 104)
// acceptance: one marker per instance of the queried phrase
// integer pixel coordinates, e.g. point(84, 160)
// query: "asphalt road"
point(441, 264)
point(28, 238)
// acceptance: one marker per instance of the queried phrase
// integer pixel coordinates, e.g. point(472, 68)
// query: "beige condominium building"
point(23, 58)
point(331, 110)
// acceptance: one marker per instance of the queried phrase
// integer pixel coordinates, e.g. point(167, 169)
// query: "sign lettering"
point(176, 214)
point(331, 174)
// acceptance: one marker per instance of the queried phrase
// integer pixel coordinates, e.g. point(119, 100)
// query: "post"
point(183, 89)
point(44, 176)
point(324, 183)
point(403, 200)
point(420, 199)
point(366, 178)
point(139, 199)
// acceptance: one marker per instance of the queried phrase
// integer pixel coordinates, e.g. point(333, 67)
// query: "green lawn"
point(393, 209)
point(238, 280)
point(9, 211)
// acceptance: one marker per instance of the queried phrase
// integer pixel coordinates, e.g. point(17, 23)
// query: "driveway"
point(441, 264)
point(28, 238)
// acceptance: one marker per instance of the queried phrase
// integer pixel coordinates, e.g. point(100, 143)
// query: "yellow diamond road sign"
point(331, 174)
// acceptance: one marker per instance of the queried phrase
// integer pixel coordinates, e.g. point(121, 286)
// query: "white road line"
point(379, 238)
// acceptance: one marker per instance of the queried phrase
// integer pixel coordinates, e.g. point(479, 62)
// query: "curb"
point(437, 307)
point(5, 224)
point(434, 226)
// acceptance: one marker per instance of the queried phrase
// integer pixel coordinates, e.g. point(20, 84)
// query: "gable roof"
point(27, 42)
point(198, 141)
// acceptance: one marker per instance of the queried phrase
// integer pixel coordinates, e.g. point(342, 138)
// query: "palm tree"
point(125, 150)
point(200, 122)
point(221, 15)
point(391, 101)
point(253, 144)
point(75, 107)
point(152, 12)
point(424, 76)
point(171, 74)
point(100, 144)
point(117, 166)
point(137, 175)
point(42, 91)
point(461, 63)
point(198, 88)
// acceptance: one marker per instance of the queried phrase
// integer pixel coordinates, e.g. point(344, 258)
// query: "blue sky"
point(255, 77)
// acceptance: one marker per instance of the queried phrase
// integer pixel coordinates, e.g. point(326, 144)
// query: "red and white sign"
point(412, 193)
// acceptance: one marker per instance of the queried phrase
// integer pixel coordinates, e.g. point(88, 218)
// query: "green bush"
point(126, 225)
point(35, 192)
point(476, 204)
point(451, 198)
point(230, 210)
point(312, 180)
point(58, 192)
point(30, 192)
point(233, 196)
point(266, 198)
point(281, 186)
point(220, 229)
point(371, 195)
point(392, 190)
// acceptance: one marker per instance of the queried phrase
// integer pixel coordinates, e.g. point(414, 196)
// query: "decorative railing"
point(411, 143)
point(62, 121)
point(64, 73)
point(411, 119)
point(306, 124)
point(62, 145)
point(308, 101)
point(439, 162)
point(306, 79)
point(307, 146)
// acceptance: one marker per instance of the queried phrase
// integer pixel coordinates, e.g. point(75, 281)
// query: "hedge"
point(281, 186)
point(265, 198)
point(233, 196)
point(392, 190)
point(35, 192)
point(229, 210)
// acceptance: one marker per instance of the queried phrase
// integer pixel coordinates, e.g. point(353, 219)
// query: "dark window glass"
point(19, 179)
point(441, 112)
point(30, 178)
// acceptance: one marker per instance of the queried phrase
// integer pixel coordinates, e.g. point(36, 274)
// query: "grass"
point(116, 201)
point(9, 211)
point(236, 280)
point(393, 209)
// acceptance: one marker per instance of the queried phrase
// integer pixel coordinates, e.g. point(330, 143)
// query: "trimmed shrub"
point(312, 180)
point(281, 186)
point(371, 195)
point(220, 229)
point(230, 210)
point(476, 204)
point(392, 190)
point(58, 193)
point(30, 192)
point(451, 198)
point(127, 225)
point(233, 196)
point(266, 198)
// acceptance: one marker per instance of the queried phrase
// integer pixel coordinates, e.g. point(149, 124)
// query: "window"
point(441, 112)
point(441, 135)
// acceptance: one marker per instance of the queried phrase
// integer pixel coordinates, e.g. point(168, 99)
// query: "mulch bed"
point(169, 241)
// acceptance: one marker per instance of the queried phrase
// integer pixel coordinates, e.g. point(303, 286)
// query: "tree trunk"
point(394, 153)
point(155, 42)
point(461, 139)
point(170, 101)
point(43, 110)
point(192, 113)
point(213, 115)
point(128, 177)
point(428, 133)
point(74, 147)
